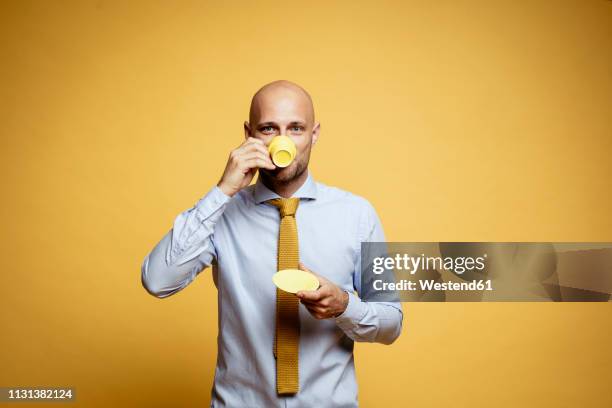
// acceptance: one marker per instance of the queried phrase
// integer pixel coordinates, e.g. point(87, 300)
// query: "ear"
point(315, 132)
point(247, 129)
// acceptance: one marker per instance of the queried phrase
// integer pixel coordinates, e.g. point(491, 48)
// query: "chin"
point(284, 174)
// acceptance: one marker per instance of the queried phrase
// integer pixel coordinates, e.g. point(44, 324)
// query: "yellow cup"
point(282, 150)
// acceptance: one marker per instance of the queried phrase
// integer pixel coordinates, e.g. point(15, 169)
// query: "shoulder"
point(332, 194)
point(354, 208)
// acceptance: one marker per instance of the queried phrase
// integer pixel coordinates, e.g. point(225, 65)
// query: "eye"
point(266, 129)
point(296, 128)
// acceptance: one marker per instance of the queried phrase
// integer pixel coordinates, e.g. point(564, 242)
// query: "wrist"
point(225, 189)
point(345, 302)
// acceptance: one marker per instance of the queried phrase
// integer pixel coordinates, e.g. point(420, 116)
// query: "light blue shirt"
point(239, 236)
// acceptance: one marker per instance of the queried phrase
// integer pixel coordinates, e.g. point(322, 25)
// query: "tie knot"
point(287, 206)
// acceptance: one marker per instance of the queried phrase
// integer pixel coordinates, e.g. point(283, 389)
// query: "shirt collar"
point(262, 193)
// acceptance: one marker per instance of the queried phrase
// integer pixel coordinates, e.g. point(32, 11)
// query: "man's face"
point(285, 112)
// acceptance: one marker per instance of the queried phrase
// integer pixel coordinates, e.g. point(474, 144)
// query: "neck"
point(284, 189)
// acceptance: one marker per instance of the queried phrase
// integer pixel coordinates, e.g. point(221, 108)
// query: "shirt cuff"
point(354, 312)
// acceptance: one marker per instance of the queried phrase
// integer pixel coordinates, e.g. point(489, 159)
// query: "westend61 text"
point(431, 284)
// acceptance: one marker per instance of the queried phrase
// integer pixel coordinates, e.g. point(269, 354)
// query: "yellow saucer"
point(294, 280)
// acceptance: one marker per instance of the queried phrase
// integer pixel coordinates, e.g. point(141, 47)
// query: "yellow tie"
point(287, 336)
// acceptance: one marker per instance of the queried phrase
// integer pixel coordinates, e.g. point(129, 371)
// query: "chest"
point(247, 244)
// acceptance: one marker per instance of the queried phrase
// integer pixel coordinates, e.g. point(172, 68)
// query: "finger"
point(324, 302)
point(310, 295)
point(317, 313)
point(246, 143)
point(253, 140)
point(259, 148)
point(258, 162)
point(326, 296)
point(303, 267)
point(251, 147)
point(252, 153)
point(260, 158)
point(315, 309)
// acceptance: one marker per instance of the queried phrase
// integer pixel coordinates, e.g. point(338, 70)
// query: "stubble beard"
point(282, 176)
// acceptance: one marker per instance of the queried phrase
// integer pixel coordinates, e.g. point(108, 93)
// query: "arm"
point(186, 249)
point(379, 322)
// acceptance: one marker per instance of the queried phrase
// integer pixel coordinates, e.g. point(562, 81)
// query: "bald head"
point(285, 95)
point(284, 108)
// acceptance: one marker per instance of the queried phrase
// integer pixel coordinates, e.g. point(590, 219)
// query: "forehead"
point(282, 107)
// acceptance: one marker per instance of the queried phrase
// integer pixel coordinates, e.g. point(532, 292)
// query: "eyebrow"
point(295, 122)
point(267, 124)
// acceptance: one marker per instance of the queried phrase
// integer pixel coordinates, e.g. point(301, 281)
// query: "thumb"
point(303, 267)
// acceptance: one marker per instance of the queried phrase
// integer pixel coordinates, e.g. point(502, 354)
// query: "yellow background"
point(458, 121)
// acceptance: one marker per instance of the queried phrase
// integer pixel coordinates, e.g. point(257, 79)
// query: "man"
point(276, 349)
